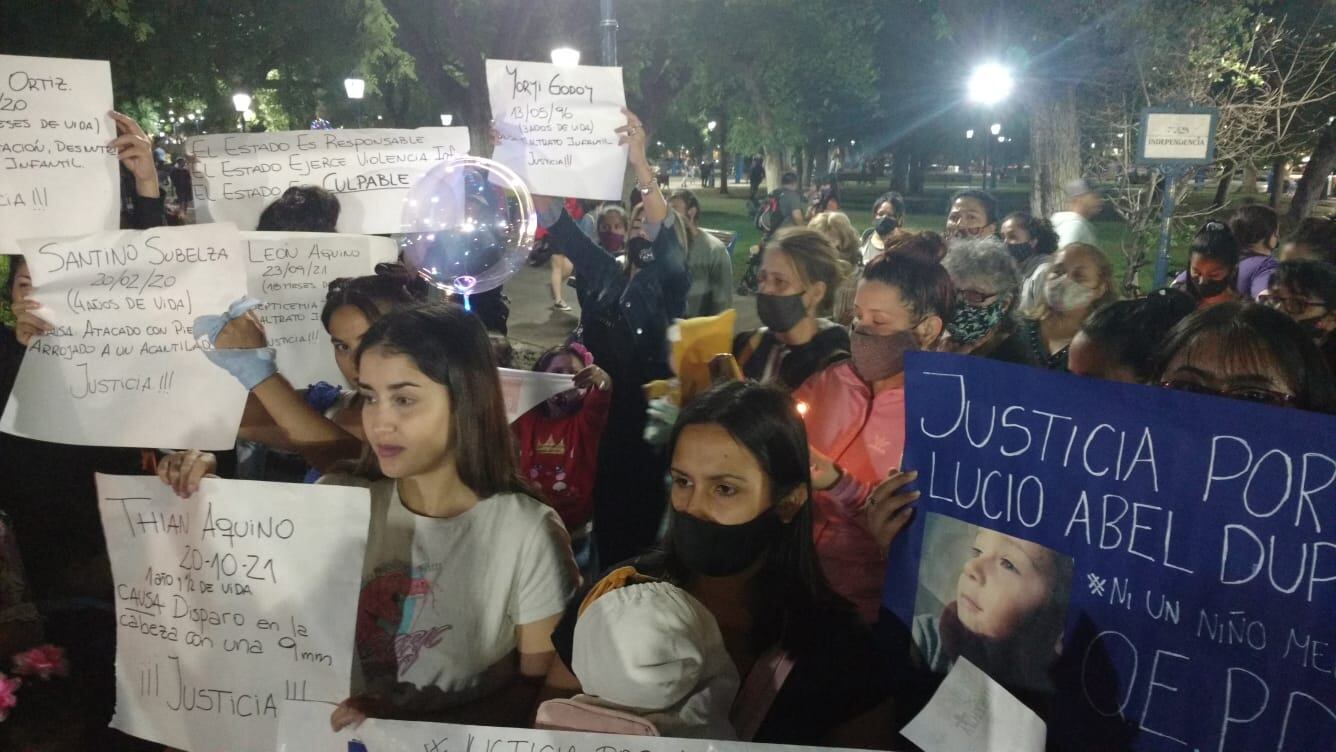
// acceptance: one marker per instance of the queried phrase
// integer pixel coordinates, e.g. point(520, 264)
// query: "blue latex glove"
point(250, 367)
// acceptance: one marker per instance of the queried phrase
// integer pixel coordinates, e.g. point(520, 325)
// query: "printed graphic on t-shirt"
point(392, 602)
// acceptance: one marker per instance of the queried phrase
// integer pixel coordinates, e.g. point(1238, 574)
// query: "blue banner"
point(1157, 568)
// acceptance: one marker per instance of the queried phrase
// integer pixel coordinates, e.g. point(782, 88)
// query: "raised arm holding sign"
point(57, 169)
point(555, 126)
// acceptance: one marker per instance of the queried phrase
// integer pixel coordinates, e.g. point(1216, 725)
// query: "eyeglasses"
point(1292, 306)
point(1247, 394)
point(975, 297)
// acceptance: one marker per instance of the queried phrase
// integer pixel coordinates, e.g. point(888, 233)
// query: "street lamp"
point(989, 84)
point(447, 119)
point(969, 133)
point(355, 88)
point(995, 129)
point(242, 102)
point(567, 57)
point(710, 126)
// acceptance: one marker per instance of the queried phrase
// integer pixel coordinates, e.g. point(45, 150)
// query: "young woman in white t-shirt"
point(465, 575)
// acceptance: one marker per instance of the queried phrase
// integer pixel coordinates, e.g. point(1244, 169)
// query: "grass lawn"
point(927, 212)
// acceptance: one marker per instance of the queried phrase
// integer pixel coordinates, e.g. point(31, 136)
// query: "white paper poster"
point(971, 711)
point(57, 174)
point(237, 175)
point(306, 729)
point(524, 390)
point(555, 126)
point(291, 272)
point(122, 367)
point(233, 607)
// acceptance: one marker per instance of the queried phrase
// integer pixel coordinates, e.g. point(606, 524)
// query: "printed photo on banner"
point(122, 353)
point(370, 171)
point(555, 126)
point(56, 169)
point(1140, 565)
point(991, 598)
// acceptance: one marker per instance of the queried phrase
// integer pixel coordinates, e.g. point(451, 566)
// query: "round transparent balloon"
point(468, 225)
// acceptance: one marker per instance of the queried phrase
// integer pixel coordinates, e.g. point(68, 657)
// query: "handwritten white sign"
point(555, 126)
point(971, 711)
point(232, 607)
point(524, 390)
point(306, 729)
point(122, 367)
point(291, 272)
point(56, 172)
point(236, 175)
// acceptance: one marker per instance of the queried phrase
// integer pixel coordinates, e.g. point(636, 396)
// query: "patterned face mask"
point(972, 323)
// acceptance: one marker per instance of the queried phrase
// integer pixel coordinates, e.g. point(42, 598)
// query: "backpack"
point(770, 217)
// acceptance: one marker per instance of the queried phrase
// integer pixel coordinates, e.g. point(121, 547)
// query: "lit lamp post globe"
point(566, 57)
point(241, 102)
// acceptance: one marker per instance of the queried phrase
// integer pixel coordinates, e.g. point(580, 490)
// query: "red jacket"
point(560, 456)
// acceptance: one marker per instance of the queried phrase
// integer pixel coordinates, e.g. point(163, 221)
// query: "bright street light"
point(969, 133)
point(710, 126)
point(355, 87)
point(447, 119)
point(240, 101)
point(989, 84)
point(1001, 139)
point(566, 56)
point(995, 128)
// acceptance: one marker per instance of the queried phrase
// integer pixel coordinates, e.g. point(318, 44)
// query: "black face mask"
point(1020, 251)
point(780, 312)
point(1209, 288)
point(640, 251)
point(714, 550)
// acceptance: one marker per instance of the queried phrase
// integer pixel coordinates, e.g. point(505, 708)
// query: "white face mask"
point(1065, 294)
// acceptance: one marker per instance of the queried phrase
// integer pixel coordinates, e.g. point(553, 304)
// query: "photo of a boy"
point(1005, 611)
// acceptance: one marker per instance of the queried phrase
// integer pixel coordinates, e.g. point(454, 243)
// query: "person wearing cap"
point(1083, 205)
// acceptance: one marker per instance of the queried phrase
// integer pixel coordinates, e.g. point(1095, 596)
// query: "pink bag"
point(574, 715)
point(758, 692)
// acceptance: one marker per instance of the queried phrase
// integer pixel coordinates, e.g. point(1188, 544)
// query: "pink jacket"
point(865, 436)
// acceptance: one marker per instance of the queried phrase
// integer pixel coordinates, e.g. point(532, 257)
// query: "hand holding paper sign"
point(27, 324)
point(135, 150)
point(251, 365)
point(183, 471)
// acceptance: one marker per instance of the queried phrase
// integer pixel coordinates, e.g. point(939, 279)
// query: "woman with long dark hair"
point(741, 543)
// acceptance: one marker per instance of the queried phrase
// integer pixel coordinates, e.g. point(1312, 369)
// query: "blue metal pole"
point(1162, 257)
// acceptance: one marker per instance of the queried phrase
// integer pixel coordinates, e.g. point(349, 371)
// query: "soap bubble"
point(468, 225)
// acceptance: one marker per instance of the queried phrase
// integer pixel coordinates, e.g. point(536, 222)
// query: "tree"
point(451, 40)
point(1266, 79)
point(285, 52)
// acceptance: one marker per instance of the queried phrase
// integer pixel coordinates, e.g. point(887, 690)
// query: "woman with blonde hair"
point(799, 275)
point(1077, 282)
point(840, 232)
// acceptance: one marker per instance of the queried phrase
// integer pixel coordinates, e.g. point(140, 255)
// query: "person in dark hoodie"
point(625, 312)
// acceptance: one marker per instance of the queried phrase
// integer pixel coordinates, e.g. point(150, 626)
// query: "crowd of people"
point(747, 552)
